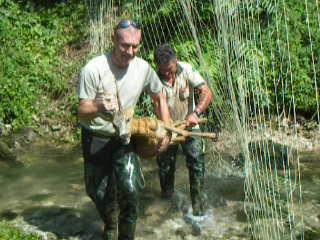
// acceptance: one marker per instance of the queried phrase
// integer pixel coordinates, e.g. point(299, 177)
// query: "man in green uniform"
point(110, 84)
point(181, 81)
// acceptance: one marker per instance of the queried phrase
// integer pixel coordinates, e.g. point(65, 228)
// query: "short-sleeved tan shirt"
point(180, 97)
point(101, 75)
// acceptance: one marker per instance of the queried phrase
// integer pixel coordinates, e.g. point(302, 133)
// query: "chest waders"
point(113, 180)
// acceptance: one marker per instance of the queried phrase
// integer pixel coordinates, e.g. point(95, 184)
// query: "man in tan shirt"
point(181, 81)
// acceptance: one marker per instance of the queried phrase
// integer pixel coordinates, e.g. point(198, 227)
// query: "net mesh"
point(226, 41)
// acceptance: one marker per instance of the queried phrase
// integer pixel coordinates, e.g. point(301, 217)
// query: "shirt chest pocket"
point(184, 91)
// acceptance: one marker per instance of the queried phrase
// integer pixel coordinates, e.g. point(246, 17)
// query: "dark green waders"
point(113, 180)
point(193, 150)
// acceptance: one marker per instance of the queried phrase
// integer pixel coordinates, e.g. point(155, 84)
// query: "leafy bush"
point(32, 43)
point(275, 76)
point(35, 66)
point(287, 49)
point(8, 232)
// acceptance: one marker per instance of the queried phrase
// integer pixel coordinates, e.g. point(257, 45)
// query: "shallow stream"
point(46, 195)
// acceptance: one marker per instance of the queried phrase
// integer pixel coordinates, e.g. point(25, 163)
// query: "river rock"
point(24, 137)
point(270, 153)
point(6, 153)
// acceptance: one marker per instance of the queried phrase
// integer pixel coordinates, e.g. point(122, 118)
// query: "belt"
point(90, 133)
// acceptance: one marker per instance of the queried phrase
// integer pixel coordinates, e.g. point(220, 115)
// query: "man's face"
point(168, 70)
point(126, 42)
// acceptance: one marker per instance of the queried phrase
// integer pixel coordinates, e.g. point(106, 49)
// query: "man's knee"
point(193, 148)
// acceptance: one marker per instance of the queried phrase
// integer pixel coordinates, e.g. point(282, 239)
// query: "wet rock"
point(24, 137)
point(5, 153)
point(196, 229)
point(269, 153)
point(62, 221)
point(181, 232)
point(300, 119)
point(51, 236)
point(8, 215)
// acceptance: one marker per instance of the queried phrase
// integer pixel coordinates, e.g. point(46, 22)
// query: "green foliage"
point(36, 68)
point(8, 232)
point(162, 21)
point(290, 70)
point(280, 68)
point(32, 64)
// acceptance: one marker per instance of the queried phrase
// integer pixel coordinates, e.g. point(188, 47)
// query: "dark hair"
point(164, 54)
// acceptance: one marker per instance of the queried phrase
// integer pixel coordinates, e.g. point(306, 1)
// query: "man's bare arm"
point(161, 107)
point(162, 112)
point(87, 109)
point(205, 99)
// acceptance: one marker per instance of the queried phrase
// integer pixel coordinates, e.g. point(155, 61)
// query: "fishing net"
point(244, 50)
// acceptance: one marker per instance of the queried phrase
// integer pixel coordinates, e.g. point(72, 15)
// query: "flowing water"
point(46, 195)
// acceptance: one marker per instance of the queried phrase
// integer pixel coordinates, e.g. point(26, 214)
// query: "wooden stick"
point(179, 139)
point(184, 122)
point(188, 134)
point(174, 129)
point(202, 134)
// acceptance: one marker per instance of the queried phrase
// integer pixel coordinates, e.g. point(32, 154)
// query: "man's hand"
point(107, 105)
point(192, 119)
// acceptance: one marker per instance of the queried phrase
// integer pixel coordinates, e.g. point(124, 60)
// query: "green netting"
point(244, 50)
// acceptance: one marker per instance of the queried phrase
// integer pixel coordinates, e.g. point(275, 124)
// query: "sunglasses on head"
point(127, 23)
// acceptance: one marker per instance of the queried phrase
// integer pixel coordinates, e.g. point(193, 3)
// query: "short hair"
point(126, 23)
point(164, 54)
